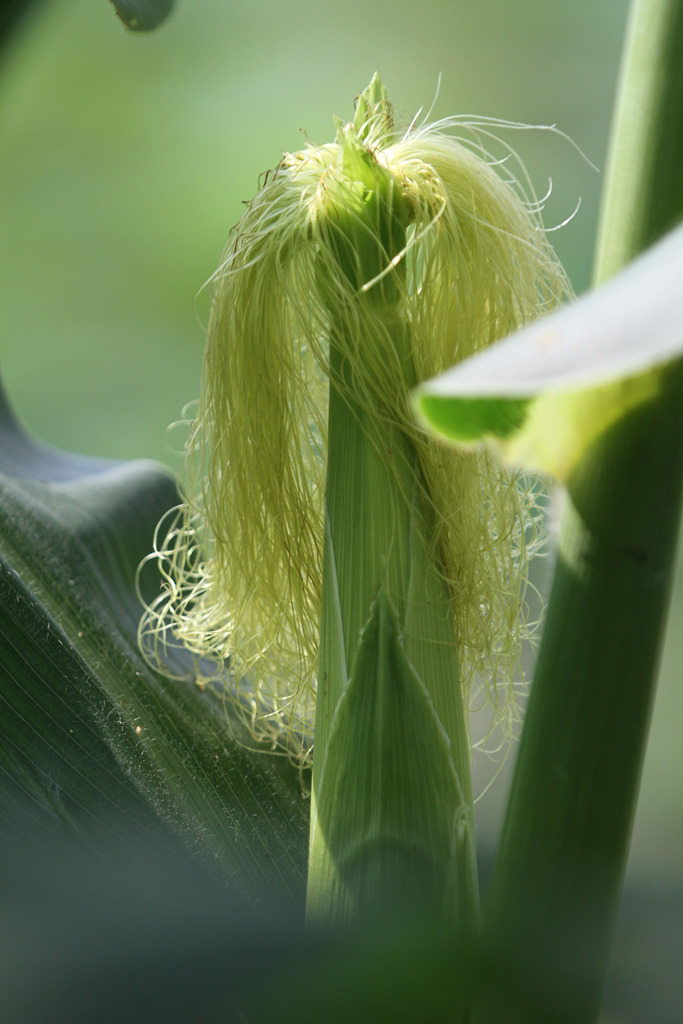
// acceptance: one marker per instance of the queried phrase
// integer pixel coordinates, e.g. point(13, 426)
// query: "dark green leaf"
point(91, 740)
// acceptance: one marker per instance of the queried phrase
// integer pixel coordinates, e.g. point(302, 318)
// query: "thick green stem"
point(568, 822)
point(565, 838)
point(379, 565)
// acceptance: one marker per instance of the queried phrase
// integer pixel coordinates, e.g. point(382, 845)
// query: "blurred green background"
point(124, 160)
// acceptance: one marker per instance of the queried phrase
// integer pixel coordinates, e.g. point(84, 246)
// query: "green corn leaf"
point(546, 393)
point(92, 742)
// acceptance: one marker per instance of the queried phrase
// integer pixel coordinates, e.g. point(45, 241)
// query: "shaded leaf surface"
point(91, 740)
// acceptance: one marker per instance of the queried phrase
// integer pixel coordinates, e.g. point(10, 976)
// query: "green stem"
point(565, 838)
point(644, 185)
point(378, 555)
